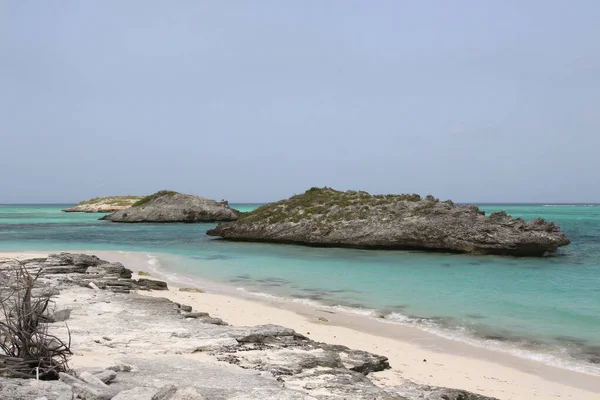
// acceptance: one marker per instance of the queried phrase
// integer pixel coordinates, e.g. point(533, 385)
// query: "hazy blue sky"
point(257, 100)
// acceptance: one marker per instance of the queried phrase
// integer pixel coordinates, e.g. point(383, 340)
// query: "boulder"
point(151, 284)
point(327, 217)
point(106, 376)
point(167, 206)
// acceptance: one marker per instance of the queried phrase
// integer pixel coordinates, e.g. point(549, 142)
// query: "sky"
point(253, 101)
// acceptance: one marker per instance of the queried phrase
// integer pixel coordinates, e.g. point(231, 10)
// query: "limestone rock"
point(412, 390)
point(106, 376)
point(92, 379)
point(104, 204)
point(188, 393)
point(167, 206)
point(152, 284)
point(137, 393)
point(29, 389)
point(86, 391)
point(165, 392)
point(326, 217)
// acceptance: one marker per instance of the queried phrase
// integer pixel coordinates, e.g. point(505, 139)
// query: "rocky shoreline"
point(330, 218)
point(166, 350)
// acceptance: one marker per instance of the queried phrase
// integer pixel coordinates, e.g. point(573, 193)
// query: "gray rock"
point(326, 217)
point(272, 394)
point(79, 260)
point(262, 333)
point(166, 206)
point(165, 392)
point(188, 393)
point(137, 393)
point(185, 308)
point(104, 204)
point(106, 376)
point(29, 389)
point(92, 379)
point(117, 269)
point(152, 284)
point(86, 391)
point(415, 391)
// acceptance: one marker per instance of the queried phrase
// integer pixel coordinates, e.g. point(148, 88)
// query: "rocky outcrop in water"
point(104, 204)
point(327, 217)
point(168, 352)
point(167, 206)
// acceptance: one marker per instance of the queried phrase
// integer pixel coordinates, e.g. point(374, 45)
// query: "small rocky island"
point(104, 204)
point(169, 206)
point(327, 217)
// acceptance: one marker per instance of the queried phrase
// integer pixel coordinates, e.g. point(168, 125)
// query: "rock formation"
point(167, 206)
point(104, 204)
point(327, 217)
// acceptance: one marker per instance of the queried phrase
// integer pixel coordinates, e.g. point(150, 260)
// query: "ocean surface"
point(542, 308)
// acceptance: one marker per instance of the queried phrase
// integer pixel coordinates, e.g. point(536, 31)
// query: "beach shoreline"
point(414, 354)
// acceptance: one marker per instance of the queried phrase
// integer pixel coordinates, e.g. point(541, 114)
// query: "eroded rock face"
point(80, 269)
point(104, 204)
point(326, 217)
point(175, 207)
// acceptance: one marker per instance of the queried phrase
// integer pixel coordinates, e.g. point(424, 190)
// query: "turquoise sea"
point(542, 308)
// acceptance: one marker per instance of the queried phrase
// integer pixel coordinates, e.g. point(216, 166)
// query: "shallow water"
point(546, 308)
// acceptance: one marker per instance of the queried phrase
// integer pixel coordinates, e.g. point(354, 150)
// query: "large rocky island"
point(169, 206)
point(104, 204)
point(327, 217)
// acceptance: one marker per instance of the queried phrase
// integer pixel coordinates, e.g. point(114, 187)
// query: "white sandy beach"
point(414, 354)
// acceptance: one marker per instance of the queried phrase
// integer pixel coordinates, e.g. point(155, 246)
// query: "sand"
point(414, 354)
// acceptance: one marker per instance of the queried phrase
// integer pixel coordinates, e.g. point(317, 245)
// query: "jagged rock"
point(339, 383)
point(116, 269)
point(152, 284)
point(326, 217)
point(71, 259)
point(412, 391)
point(167, 206)
point(289, 362)
point(29, 389)
point(137, 393)
point(272, 394)
point(85, 390)
point(92, 379)
point(106, 376)
point(358, 360)
point(104, 204)
point(263, 333)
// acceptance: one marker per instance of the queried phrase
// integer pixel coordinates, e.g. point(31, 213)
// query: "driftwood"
point(27, 348)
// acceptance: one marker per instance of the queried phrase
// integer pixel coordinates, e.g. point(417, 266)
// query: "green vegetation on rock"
point(156, 195)
point(112, 200)
point(324, 204)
